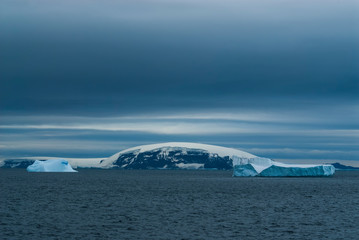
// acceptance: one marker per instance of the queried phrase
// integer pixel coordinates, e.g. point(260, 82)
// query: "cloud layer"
point(90, 78)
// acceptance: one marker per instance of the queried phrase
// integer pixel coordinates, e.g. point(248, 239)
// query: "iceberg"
point(264, 167)
point(51, 165)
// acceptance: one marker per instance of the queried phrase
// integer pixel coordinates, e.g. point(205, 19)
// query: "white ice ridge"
point(265, 167)
point(51, 165)
point(190, 165)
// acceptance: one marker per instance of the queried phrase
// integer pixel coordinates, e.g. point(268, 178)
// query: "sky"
point(276, 78)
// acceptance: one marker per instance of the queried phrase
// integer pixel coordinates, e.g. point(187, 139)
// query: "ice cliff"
point(264, 167)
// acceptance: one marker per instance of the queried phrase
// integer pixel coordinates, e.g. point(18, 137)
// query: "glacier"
point(265, 167)
point(51, 165)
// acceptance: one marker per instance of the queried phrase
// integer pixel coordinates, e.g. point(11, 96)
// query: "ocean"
point(176, 204)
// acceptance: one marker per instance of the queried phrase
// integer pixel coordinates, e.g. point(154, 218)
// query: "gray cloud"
point(150, 55)
point(106, 75)
point(265, 135)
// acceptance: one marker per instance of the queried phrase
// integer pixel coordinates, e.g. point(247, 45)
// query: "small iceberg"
point(264, 167)
point(51, 165)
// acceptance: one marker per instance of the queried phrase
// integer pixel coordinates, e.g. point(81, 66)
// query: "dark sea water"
point(176, 204)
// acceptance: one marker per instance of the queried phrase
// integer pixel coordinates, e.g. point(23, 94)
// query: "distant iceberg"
point(264, 167)
point(51, 165)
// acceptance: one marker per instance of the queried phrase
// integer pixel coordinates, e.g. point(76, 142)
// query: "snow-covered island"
point(202, 156)
point(185, 155)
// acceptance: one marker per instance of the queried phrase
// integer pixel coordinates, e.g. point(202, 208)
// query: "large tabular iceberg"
point(51, 165)
point(264, 167)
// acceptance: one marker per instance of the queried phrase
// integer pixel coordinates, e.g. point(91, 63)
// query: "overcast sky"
point(277, 78)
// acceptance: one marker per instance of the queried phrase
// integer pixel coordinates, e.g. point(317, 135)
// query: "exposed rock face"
point(172, 158)
point(16, 163)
